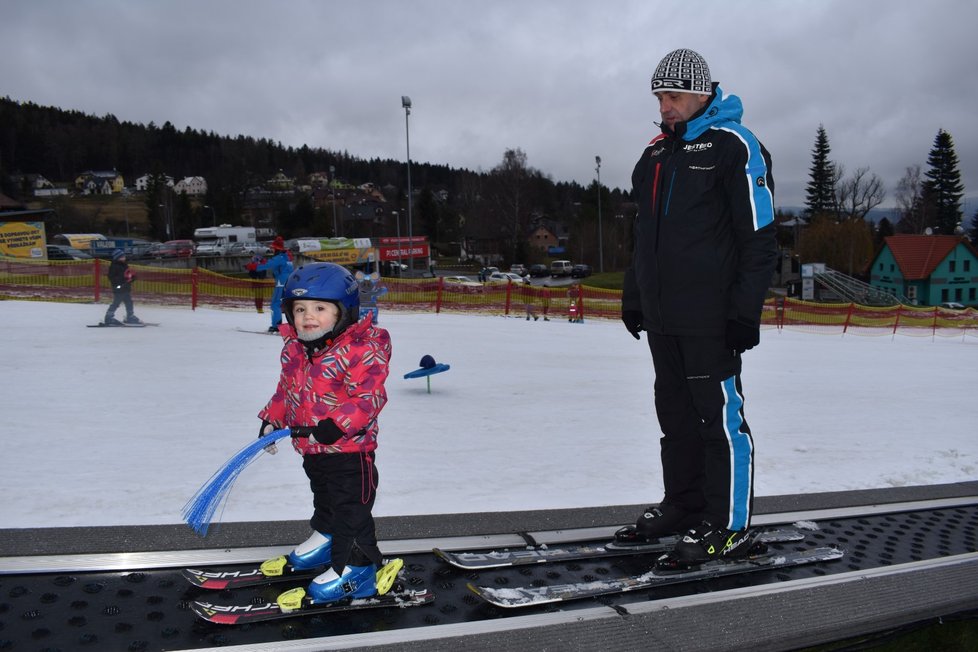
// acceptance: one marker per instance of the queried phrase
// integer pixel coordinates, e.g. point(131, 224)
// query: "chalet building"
point(93, 182)
point(142, 183)
point(191, 186)
point(542, 238)
point(928, 269)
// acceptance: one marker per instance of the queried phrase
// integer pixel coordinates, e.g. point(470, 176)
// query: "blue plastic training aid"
point(199, 510)
point(427, 368)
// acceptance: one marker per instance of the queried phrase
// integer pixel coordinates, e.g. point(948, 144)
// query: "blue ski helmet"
point(324, 282)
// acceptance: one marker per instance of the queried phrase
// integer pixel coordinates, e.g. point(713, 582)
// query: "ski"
point(217, 580)
point(532, 595)
point(139, 325)
point(264, 332)
point(544, 554)
point(243, 614)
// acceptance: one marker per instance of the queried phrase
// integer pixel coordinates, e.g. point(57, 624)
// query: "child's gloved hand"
point(325, 432)
point(264, 429)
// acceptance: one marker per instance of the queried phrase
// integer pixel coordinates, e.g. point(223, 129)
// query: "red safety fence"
point(86, 281)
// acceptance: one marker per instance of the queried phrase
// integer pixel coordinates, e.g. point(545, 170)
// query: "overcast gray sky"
point(562, 80)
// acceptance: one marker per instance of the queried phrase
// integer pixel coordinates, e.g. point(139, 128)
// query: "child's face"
point(314, 318)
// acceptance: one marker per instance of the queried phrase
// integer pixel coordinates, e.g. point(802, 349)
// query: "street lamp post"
point(597, 161)
point(332, 184)
point(406, 103)
point(397, 218)
point(213, 215)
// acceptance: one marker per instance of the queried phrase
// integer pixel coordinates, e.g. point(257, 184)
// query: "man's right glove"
point(633, 321)
point(264, 429)
point(741, 336)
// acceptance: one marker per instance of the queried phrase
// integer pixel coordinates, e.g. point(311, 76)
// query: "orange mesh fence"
point(87, 281)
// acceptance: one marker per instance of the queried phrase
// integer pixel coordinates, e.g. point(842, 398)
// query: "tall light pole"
point(406, 103)
point(332, 184)
point(397, 218)
point(597, 161)
point(213, 214)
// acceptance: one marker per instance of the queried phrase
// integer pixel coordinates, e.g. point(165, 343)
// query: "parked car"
point(952, 305)
point(506, 277)
point(210, 249)
point(538, 271)
point(519, 268)
point(580, 271)
point(171, 249)
point(245, 249)
point(64, 252)
point(463, 281)
point(560, 268)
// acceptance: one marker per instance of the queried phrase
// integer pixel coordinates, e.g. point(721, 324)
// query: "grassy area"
point(605, 280)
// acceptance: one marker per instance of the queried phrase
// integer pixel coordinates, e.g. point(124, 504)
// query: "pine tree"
point(943, 190)
point(973, 231)
point(820, 191)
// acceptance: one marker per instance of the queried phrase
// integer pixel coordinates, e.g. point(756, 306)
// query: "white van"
point(560, 268)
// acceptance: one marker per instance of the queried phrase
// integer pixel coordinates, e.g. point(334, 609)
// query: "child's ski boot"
point(354, 582)
point(314, 552)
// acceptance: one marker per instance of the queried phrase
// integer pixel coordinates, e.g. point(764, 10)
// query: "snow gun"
point(199, 510)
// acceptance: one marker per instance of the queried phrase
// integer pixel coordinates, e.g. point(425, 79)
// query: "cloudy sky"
point(562, 80)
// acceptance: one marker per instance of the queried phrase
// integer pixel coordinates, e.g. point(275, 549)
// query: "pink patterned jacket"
point(344, 382)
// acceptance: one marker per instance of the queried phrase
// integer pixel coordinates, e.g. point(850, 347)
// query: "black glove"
point(633, 321)
point(741, 336)
point(264, 429)
point(325, 432)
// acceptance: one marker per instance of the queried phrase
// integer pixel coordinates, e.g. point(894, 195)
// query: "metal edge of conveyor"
point(676, 608)
point(211, 557)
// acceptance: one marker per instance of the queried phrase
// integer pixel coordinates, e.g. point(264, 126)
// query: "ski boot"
point(111, 321)
point(133, 319)
point(329, 587)
point(314, 552)
point(655, 523)
point(353, 582)
point(705, 543)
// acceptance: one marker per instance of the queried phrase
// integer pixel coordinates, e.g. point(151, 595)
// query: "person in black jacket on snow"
point(121, 278)
point(704, 254)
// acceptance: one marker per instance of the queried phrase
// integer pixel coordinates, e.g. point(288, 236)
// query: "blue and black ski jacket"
point(705, 246)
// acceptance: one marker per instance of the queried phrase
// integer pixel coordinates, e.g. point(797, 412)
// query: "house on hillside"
point(542, 238)
point(142, 183)
point(927, 269)
point(191, 186)
point(94, 182)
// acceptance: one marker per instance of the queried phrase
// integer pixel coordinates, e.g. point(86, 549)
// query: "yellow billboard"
point(23, 240)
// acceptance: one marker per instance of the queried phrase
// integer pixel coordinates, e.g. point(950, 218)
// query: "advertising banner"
point(23, 240)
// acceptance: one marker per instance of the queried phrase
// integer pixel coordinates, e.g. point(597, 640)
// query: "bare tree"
point(858, 194)
point(909, 197)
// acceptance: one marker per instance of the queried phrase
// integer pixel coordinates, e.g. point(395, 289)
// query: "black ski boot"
point(655, 523)
point(705, 543)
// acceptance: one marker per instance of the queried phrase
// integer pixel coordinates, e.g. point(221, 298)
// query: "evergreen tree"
point(973, 231)
point(943, 190)
point(820, 191)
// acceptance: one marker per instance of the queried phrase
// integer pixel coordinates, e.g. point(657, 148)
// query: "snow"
point(112, 426)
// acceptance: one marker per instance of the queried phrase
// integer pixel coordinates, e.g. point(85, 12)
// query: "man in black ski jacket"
point(704, 254)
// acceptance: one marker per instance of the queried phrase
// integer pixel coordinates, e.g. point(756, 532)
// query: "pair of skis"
point(760, 558)
point(294, 602)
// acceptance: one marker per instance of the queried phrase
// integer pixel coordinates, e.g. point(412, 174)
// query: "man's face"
point(678, 107)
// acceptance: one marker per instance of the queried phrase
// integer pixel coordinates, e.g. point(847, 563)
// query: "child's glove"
point(325, 432)
point(265, 429)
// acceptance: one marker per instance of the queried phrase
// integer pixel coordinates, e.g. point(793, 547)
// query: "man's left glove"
point(325, 432)
point(633, 322)
point(741, 336)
